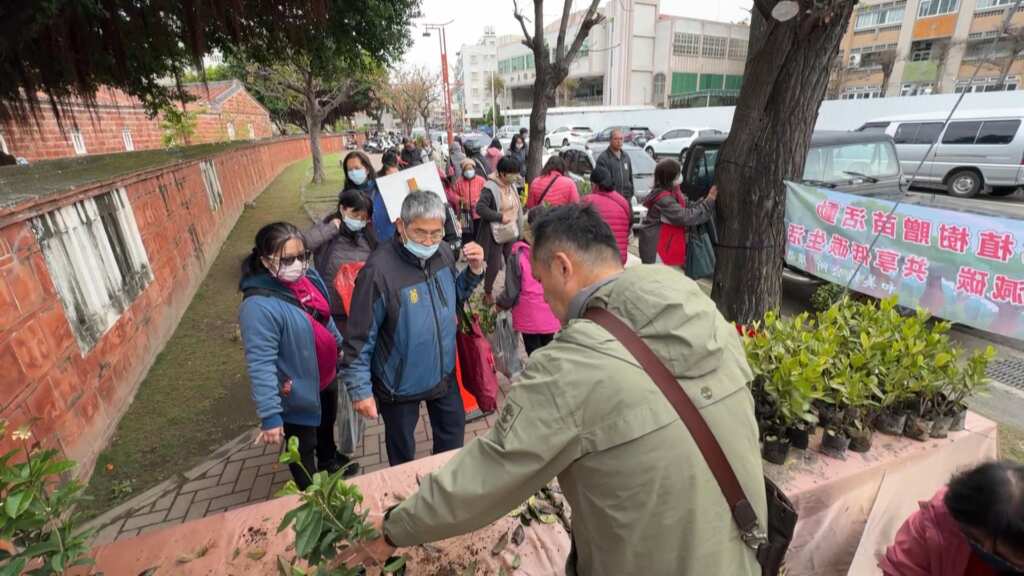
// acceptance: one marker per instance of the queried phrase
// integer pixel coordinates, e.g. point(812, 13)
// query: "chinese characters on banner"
point(964, 267)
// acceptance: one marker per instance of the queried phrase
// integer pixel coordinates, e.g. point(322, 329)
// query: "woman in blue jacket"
point(291, 344)
point(359, 174)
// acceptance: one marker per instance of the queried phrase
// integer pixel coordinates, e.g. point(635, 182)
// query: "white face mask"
point(292, 272)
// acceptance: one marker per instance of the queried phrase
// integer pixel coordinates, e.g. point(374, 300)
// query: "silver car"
point(979, 150)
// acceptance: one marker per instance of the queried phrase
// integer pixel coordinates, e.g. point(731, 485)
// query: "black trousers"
point(447, 422)
point(326, 448)
point(534, 341)
point(307, 449)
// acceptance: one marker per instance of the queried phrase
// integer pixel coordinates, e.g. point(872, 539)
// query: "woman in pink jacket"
point(492, 156)
point(972, 527)
point(552, 187)
point(531, 315)
point(613, 208)
point(465, 193)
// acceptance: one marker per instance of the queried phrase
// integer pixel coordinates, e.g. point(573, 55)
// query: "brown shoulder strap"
point(742, 511)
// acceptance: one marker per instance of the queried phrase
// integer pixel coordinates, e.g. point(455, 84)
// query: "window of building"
point(991, 84)
point(212, 183)
point(126, 136)
point(921, 51)
point(231, 130)
point(987, 4)
point(474, 75)
point(714, 47)
point(96, 259)
point(936, 7)
point(916, 89)
point(3, 144)
point(879, 16)
point(78, 141)
point(252, 131)
point(472, 59)
point(476, 92)
point(738, 48)
point(861, 92)
point(685, 44)
point(659, 86)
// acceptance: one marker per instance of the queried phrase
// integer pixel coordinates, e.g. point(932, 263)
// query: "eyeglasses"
point(423, 236)
point(289, 260)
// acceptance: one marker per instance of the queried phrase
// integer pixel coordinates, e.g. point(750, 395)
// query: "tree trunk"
point(538, 127)
point(785, 80)
point(313, 126)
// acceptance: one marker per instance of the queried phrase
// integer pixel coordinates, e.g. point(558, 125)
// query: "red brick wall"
point(102, 129)
point(73, 402)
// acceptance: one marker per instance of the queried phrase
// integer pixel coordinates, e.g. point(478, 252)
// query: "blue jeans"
point(447, 422)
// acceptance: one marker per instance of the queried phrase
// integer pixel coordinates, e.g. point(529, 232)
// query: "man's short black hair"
point(507, 165)
point(577, 228)
point(990, 498)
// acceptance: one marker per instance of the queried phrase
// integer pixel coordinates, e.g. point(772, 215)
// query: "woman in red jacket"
point(662, 234)
point(552, 187)
point(973, 527)
point(613, 208)
point(465, 193)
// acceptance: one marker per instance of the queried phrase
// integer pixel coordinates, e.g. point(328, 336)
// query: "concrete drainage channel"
point(1009, 371)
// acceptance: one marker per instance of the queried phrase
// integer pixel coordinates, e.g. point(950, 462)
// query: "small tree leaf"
point(500, 544)
point(394, 566)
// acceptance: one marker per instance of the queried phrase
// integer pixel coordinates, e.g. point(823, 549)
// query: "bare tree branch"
point(593, 18)
point(560, 43)
point(528, 40)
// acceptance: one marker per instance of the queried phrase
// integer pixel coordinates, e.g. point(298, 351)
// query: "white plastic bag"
point(349, 424)
point(505, 344)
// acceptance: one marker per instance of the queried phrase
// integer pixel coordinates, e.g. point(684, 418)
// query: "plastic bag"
point(477, 364)
point(349, 424)
point(345, 282)
point(505, 343)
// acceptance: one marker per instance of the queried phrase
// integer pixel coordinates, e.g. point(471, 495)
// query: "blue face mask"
point(421, 251)
point(469, 174)
point(1001, 566)
point(353, 224)
point(357, 176)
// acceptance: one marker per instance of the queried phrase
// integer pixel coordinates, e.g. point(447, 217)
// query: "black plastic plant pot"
point(834, 444)
point(891, 422)
point(860, 440)
point(918, 428)
point(940, 427)
point(959, 421)
point(799, 438)
point(775, 450)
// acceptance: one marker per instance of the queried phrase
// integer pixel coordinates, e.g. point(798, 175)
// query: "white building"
point(471, 92)
point(636, 57)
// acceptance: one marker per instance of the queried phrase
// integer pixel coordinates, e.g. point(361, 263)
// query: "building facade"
point(475, 65)
point(912, 47)
point(636, 57)
point(118, 123)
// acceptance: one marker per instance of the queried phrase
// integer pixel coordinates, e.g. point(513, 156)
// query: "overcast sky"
point(471, 16)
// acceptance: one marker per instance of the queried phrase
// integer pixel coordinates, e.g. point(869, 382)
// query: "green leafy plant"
point(178, 125)
point(327, 521)
point(38, 525)
point(826, 295)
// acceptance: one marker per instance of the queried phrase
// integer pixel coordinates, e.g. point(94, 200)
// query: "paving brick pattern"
point(247, 475)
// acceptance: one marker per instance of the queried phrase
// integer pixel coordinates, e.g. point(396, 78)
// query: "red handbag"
point(479, 375)
point(345, 282)
point(672, 238)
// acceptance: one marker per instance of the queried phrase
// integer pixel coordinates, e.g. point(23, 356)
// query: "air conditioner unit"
point(855, 60)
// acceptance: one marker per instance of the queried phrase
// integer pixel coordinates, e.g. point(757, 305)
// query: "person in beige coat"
point(643, 499)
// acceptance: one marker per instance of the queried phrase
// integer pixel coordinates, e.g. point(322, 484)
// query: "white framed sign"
point(395, 187)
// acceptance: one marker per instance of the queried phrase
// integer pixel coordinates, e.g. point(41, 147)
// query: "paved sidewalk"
point(240, 474)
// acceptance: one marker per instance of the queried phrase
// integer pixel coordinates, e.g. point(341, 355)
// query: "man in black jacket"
point(617, 162)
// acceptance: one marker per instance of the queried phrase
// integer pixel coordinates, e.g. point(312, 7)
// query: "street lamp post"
point(444, 74)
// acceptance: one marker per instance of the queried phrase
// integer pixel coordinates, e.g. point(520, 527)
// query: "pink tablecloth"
point(850, 510)
point(244, 542)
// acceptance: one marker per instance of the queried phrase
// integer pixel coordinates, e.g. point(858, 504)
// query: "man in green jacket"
point(643, 499)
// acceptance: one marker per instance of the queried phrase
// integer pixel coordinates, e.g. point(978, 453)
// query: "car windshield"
point(843, 162)
point(642, 162)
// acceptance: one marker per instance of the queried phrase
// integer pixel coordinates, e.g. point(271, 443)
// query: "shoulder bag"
point(769, 545)
point(505, 233)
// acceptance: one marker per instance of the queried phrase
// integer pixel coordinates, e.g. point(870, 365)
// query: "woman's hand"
point(506, 218)
point(713, 193)
point(366, 407)
point(272, 436)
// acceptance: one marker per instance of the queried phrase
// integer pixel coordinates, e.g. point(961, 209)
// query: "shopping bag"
point(349, 424)
point(477, 364)
point(505, 344)
point(345, 282)
point(700, 253)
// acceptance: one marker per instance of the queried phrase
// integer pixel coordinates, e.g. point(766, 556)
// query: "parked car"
point(635, 135)
point(979, 150)
point(675, 142)
point(580, 162)
point(864, 163)
point(564, 136)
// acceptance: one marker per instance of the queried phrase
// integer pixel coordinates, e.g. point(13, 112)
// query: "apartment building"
point(911, 47)
point(637, 56)
point(475, 64)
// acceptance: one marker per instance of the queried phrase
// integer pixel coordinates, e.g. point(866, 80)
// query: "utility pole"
point(444, 75)
point(494, 107)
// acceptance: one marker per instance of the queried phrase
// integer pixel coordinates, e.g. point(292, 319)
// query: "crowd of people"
point(582, 409)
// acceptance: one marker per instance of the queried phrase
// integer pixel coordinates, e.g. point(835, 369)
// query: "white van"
point(978, 150)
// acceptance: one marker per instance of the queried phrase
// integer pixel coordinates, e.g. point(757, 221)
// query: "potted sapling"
point(860, 411)
point(793, 387)
point(973, 378)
